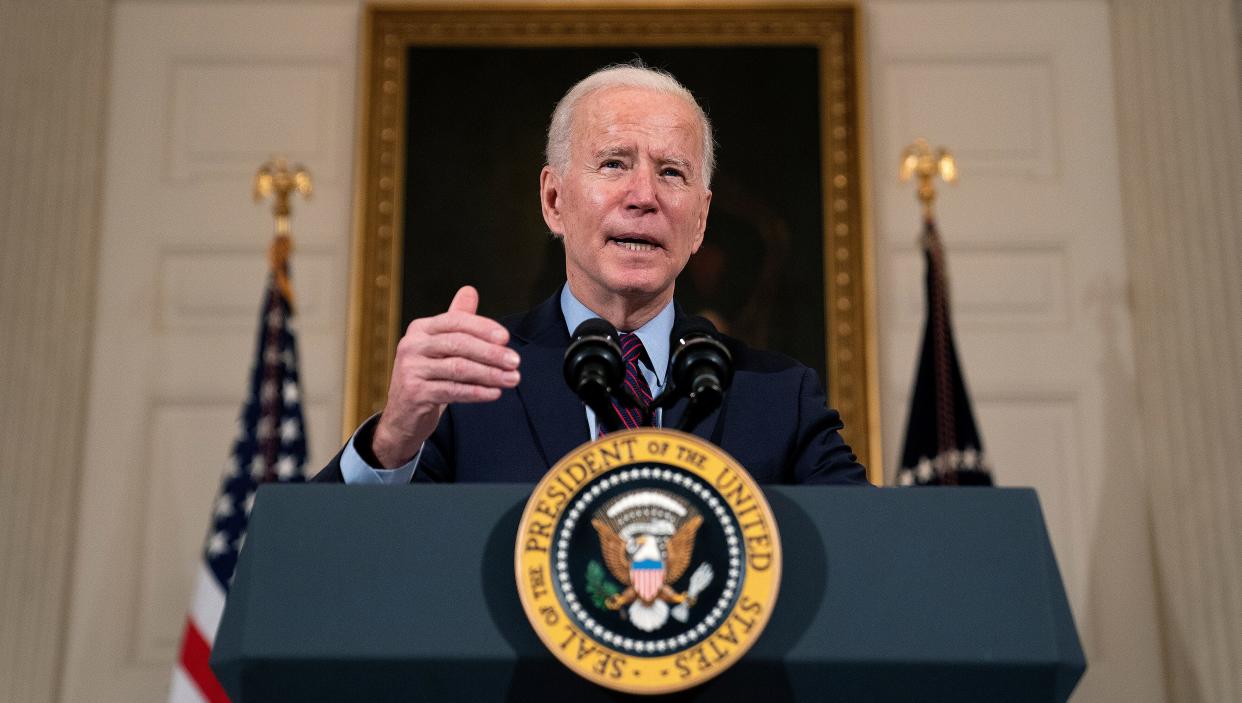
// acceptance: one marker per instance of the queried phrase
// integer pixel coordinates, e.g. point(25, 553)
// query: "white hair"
point(633, 75)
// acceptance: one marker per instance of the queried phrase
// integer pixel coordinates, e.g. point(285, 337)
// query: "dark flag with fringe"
point(942, 444)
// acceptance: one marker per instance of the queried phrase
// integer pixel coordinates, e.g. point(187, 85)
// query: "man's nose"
point(641, 197)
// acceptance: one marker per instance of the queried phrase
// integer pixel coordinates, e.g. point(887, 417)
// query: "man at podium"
point(626, 189)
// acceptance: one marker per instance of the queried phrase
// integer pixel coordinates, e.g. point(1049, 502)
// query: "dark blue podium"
point(350, 593)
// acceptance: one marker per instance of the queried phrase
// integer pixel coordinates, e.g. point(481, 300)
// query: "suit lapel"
point(706, 429)
point(555, 415)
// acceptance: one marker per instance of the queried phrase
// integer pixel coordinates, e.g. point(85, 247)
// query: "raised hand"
point(455, 357)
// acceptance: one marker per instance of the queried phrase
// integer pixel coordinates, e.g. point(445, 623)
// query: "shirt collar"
point(654, 335)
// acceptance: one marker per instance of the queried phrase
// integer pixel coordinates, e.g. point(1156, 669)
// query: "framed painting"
point(455, 103)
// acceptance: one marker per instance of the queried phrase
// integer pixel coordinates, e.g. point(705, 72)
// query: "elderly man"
point(626, 188)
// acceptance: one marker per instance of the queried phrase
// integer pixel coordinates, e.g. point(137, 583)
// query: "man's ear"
point(550, 200)
point(702, 223)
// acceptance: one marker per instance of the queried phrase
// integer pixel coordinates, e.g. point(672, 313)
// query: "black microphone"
point(595, 369)
point(700, 369)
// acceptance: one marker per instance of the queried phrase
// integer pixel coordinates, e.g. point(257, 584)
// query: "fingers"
point(484, 328)
point(459, 344)
point(456, 392)
point(466, 300)
point(465, 371)
point(457, 356)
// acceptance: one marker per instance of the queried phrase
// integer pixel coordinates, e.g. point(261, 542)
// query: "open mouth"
point(634, 243)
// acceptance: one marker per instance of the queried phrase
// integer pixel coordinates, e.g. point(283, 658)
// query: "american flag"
point(270, 446)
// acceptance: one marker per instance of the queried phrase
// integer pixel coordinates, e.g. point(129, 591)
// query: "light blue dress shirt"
point(654, 336)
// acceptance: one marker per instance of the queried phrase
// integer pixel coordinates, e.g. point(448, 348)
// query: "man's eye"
point(672, 172)
point(612, 163)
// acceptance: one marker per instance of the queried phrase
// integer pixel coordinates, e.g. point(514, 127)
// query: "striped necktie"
point(633, 416)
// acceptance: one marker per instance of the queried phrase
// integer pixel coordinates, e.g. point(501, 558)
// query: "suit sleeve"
point(432, 467)
point(331, 473)
point(437, 463)
point(820, 453)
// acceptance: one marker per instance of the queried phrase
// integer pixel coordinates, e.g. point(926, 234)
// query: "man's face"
point(631, 205)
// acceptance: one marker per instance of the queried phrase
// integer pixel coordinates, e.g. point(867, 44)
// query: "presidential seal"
point(648, 561)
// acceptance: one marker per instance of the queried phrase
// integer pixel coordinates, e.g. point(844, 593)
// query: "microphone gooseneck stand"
point(595, 370)
point(700, 370)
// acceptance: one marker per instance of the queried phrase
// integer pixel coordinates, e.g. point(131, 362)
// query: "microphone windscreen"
point(595, 327)
point(692, 326)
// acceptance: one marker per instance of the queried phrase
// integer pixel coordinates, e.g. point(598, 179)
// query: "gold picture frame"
point(389, 33)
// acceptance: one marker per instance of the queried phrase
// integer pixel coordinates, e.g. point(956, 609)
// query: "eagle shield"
point(647, 575)
point(647, 538)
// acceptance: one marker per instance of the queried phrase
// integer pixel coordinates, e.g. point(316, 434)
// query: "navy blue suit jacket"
point(774, 419)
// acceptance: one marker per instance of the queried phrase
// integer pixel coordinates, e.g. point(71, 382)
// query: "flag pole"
point(279, 180)
point(942, 445)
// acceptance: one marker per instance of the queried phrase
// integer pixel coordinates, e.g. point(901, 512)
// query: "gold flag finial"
point(279, 179)
point(919, 160)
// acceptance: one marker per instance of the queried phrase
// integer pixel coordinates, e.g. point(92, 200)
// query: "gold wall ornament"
point(392, 37)
point(278, 179)
point(918, 160)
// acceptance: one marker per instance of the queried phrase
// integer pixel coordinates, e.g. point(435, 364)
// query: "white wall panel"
point(996, 111)
point(1035, 440)
point(205, 290)
point(185, 438)
point(201, 95)
point(1018, 287)
point(1022, 93)
point(229, 113)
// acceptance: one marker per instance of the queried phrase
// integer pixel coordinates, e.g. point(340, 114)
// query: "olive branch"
point(598, 585)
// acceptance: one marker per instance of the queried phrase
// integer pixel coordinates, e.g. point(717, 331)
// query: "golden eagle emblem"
point(647, 539)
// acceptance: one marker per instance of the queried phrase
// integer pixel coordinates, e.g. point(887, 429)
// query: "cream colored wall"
point(127, 472)
point(1022, 91)
point(1180, 130)
point(52, 95)
point(201, 94)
